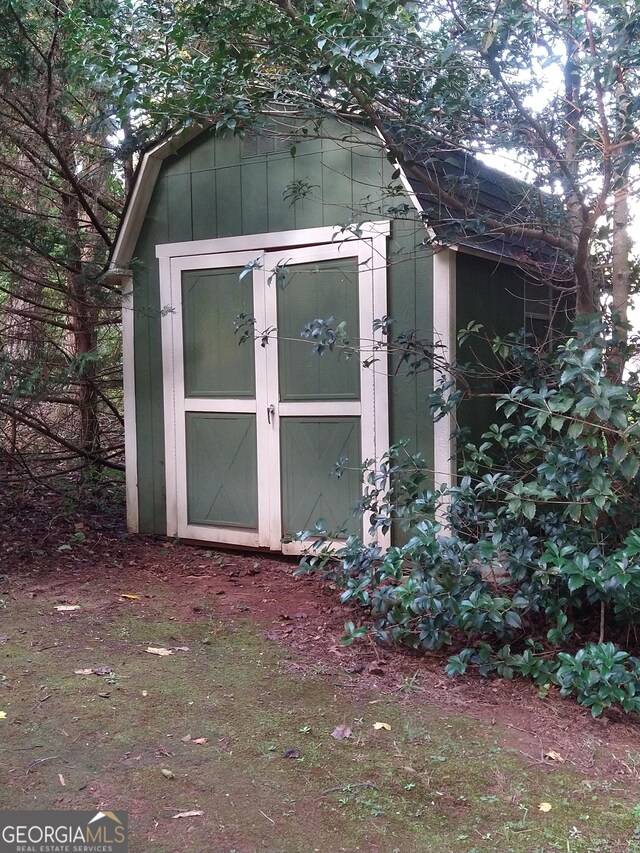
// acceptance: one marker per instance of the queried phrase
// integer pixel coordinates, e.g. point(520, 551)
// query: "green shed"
point(235, 442)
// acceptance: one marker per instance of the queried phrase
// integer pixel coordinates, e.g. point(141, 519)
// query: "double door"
point(265, 436)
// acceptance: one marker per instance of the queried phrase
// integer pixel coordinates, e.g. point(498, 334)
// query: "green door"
point(317, 398)
point(270, 432)
point(215, 393)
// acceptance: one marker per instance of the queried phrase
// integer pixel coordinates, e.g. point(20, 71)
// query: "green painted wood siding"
point(214, 364)
point(222, 486)
point(310, 448)
point(223, 186)
point(499, 297)
point(323, 290)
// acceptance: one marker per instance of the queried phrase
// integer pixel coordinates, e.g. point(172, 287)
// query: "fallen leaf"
point(98, 670)
point(65, 608)
point(341, 733)
point(291, 753)
point(187, 814)
point(185, 739)
point(161, 652)
point(61, 778)
point(552, 755)
point(104, 695)
point(129, 595)
point(385, 726)
point(181, 649)
point(545, 807)
point(200, 740)
point(3, 715)
point(168, 774)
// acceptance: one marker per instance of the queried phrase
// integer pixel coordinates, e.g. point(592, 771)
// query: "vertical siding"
point(411, 307)
point(280, 212)
point(209, 190)
point(228, 220)
point(203, 203)
point(493, 295)
point(148, 367)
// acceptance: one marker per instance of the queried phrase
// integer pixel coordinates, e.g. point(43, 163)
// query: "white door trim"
point(176, 405)
point(276, 240)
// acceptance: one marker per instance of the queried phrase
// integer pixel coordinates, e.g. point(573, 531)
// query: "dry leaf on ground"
point(98, 670)
point(3, 715)
point(161, 652)
point(341, 732)
point(168, 774)
point(545, 807)
point(384, 726)
point(291, 753)
point(129, 595)
point(64, 608)
point(187, 814)
point(200, 740)
point(552, 755)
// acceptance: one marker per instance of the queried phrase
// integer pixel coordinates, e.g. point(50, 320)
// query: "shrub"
point(540, 548)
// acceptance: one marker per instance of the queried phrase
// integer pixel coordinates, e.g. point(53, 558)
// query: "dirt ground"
point(52, 556)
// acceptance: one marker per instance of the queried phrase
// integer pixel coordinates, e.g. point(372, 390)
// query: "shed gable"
point(224, 186)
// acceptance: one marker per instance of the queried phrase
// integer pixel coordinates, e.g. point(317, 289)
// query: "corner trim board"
point(444, 317)
point(130, 426)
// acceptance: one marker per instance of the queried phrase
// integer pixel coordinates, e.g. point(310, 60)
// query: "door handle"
point(271, 411)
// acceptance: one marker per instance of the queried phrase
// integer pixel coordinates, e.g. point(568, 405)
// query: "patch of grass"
point(270, 776)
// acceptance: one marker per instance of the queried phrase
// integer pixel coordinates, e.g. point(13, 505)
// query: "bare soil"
point(137, 590)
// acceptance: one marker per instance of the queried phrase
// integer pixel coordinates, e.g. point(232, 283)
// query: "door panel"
point(214, 364)
point(324, 289)
point(222, 486)
point(311, 489)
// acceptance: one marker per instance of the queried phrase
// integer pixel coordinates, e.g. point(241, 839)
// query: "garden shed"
point(230, 237)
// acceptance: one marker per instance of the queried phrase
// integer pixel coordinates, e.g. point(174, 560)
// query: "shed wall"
point(500, 297)
point(223, 186)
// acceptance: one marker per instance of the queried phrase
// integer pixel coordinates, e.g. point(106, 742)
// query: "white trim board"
point(129, 393)
point(444, 334)
point(330, 235)
point(143, 187)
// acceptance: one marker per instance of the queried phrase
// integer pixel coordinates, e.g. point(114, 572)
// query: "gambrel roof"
point(482, 192)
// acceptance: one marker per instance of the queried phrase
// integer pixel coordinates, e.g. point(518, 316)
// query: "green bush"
point(540, 548)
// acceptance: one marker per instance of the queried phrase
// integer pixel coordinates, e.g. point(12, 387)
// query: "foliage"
point(60, 196)
point(552, 86)
point(542, 544)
